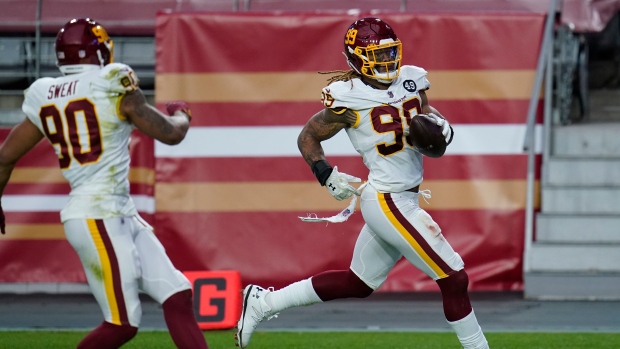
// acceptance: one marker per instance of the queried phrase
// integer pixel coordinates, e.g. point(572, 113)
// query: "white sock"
point(469, 332)
point(293, 295)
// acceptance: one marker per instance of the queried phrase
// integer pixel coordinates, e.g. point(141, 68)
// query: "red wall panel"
point(223, 212)
point(226, 212)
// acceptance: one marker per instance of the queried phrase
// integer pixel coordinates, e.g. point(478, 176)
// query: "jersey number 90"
point(80, 118)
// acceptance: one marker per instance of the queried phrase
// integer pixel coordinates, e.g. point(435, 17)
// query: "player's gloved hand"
point(174, 106)
point(446, 129)
point(2, 224)
point(338, 184)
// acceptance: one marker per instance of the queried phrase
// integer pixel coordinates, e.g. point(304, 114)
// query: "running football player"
point(374, 102)
point(87, 115)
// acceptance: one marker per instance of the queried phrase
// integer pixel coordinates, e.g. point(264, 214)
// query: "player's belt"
point(414, 189)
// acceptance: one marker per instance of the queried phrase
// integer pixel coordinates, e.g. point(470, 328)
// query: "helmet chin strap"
point(101, 60)
point(353, 67)
point(384, 81)
point(351, 64)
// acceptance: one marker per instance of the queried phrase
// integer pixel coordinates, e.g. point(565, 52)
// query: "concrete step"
point(578, 228)
point(581, 200)
point(604, 105)
point(598, 139)
point(605, 114)
point(564, 257)
point(571, 286)
point(583, 171)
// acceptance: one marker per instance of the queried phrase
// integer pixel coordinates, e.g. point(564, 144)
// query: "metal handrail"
point(37, 69)
point(529, 143)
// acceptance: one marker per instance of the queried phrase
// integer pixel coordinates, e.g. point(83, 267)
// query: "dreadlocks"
point(344, 75)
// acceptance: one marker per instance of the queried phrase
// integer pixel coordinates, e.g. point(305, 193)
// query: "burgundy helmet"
point(80, 43)
point(373, 50)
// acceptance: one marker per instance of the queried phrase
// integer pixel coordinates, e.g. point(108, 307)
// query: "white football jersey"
point(78, 114)
point(383, 118)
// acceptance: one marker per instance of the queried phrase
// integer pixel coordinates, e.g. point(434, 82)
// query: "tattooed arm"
point(322, 126)
point(166, 129)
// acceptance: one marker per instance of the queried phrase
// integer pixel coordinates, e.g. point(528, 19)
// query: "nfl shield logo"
point(390, 94)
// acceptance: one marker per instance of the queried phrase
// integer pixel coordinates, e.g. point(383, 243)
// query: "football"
point(425, 135)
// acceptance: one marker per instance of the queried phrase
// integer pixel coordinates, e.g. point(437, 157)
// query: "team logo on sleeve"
point(410, 85)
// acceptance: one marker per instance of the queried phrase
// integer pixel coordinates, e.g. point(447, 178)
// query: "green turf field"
point(324, 340)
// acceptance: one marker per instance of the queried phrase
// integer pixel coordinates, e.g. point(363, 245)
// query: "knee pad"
point(124, 333)
point(454, 284)
point(179, 300)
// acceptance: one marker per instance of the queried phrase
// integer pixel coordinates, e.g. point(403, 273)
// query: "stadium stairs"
point(576, 252)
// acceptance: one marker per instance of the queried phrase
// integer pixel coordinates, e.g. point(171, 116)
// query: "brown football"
point(425, 135)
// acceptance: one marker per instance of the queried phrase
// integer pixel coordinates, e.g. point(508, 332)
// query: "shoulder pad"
point(337, 95)
point(417, 74)
point(119, 78)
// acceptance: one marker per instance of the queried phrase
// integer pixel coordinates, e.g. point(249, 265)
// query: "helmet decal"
point(100, 33)
point(349, 39)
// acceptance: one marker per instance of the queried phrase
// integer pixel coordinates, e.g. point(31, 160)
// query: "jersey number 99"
point(395, 124)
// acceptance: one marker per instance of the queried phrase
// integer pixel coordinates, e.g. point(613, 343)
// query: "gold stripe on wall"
point(34, 232)
point(300, 196)
point(36, 175)
point(309, 197)
point(26, 175)
point(306, 86)
point(478, 194)
point(480, 84)
point(142, 175)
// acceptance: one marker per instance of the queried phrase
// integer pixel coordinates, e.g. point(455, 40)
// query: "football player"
point(374, 102)
point(87, 115)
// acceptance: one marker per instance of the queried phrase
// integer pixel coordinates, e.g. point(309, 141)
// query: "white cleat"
point(253, 311)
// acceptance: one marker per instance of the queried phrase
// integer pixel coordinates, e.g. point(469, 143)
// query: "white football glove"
point(446, 130)
point(338, 184)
